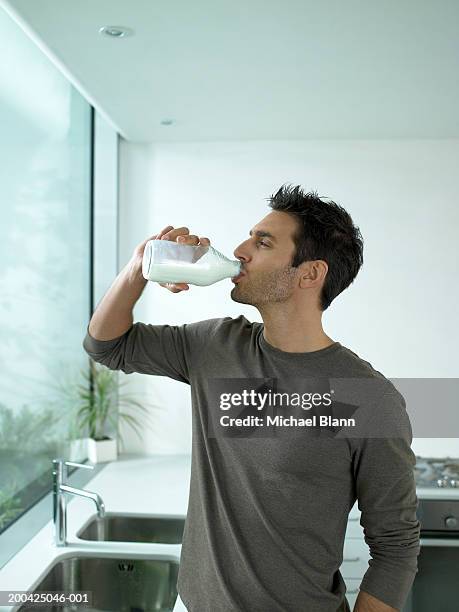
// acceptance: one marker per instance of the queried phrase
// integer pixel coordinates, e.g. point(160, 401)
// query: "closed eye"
point(262, 243)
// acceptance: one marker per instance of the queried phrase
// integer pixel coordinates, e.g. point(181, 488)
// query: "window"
point(45, 254)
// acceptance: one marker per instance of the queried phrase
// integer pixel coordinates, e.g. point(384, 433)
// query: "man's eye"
point(260, 242)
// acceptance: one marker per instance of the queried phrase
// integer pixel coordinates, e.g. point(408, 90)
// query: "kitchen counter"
point(153, 485)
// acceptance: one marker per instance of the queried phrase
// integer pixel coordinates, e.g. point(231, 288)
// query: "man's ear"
point(312, 273)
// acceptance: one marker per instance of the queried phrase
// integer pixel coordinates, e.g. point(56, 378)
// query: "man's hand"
point(367, 603)
point(182, 236)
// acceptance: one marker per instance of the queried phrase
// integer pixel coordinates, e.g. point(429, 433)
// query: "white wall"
point(398, 314)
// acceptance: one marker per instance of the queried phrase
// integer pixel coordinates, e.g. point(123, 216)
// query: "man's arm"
point(386, 493)
point(113, 315)
point(160, 350)
point(367, 603)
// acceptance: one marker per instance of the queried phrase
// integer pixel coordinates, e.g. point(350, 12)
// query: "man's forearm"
point(367, 603)
point(113, 315)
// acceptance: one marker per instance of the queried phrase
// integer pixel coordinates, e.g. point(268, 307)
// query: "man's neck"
point(294, 332)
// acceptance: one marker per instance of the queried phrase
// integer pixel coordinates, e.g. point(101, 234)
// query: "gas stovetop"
point(438, 509)
point(437, 473)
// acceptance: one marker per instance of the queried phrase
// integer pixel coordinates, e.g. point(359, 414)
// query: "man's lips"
point(237, 278)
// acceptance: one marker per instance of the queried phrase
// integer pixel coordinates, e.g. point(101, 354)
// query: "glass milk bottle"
point(165, 261)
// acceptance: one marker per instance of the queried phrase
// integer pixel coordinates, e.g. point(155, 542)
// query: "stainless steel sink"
point(118, 584)
point(133, 528)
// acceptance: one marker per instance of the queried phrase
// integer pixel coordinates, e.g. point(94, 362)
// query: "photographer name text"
point(286, 421)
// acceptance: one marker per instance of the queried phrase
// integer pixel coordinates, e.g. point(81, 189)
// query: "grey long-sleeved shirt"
point(266, 520)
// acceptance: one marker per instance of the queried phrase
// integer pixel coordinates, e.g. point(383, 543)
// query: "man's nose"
point(241, 253)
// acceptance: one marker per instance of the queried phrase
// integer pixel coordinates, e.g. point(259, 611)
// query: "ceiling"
point(259, 69)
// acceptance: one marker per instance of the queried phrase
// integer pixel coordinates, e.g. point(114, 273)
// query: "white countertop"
point(152, 485)
point(437, 492)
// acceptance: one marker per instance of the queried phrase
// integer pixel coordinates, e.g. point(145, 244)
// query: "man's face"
point(265, 257)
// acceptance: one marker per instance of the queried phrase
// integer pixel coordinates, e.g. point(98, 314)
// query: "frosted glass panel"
point(45, 152)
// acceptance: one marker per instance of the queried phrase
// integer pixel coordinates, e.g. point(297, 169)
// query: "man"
point(266, 517)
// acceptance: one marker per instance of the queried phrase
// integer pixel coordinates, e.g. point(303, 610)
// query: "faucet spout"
point(89, 494)
point(59, 501)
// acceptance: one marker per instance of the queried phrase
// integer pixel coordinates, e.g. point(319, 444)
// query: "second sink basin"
point(134, 528)
point(114, 583)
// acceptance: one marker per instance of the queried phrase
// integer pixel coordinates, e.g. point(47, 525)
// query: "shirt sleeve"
point(386, 494)
point(159, 350)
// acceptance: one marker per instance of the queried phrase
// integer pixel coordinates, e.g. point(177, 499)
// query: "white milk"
point(165, 261)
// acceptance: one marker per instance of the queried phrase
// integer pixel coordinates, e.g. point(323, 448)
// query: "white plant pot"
point(78, 450)
point(100, 451)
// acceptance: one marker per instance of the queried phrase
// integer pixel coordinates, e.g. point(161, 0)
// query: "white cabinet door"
point(352, 590)
point(355, 558)
point(354, 529)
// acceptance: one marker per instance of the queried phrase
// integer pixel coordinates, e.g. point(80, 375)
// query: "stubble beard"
point(266, 287)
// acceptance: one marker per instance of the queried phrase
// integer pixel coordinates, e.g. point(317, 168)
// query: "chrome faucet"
point(60, 502)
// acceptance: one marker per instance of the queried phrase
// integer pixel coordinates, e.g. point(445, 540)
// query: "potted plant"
point(99, 404)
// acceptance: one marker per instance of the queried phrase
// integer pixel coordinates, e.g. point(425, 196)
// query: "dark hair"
point(325, 231)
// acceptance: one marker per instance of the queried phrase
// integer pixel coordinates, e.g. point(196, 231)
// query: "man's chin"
point(236, 296)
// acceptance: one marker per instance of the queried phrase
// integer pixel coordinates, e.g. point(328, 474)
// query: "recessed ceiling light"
point(167, 122)
point(116, 31)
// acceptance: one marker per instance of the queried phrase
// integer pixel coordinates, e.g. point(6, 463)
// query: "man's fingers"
point(159, 234)
point(175, 287)
point(163, 231)
point(181, 235)
point(173, 233)
point(194, 240)
point(190, 239)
